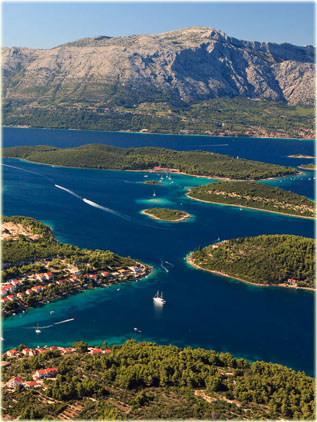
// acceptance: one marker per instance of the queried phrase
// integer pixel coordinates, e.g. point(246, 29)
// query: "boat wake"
point(169, 264)
point(69, 191)
point(28, 171)
point(163, 266)
point(63, 322)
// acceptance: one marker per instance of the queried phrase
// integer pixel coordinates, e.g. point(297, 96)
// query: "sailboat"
point(159, 299)
point(37, 330)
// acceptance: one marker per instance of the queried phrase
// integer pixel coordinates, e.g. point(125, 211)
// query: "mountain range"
point(181, 67)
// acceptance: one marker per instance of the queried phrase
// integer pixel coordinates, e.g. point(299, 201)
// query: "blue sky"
point(46, 24)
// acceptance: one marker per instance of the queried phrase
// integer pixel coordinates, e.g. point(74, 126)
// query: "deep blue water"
point(271, 324)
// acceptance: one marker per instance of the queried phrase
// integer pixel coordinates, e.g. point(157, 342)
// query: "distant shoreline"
point(162, 134)
point(250, 208)
point(190, 261)
point(184, 217)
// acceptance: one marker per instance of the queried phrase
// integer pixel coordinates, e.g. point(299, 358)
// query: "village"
point(32, 290)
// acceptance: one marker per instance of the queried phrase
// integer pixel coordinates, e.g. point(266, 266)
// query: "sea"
point(272, 324)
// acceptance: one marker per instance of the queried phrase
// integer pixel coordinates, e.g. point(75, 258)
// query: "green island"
point(147, 381)
point(166, 214)
point(129, 112)
point(254, 195)
point(266, 260)
point(152, 182)
point(99, 156)
point(308, 166)
point(38, 269)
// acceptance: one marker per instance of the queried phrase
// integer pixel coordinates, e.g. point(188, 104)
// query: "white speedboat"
point(159, 298)
point(37, 330)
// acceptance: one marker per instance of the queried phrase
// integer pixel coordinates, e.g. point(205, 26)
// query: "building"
point(12, 352)
point(46, 373)
point(15, 383)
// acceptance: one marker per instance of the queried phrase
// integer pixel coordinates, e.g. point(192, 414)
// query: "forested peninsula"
point(145, 381)
point(200, 163)
point(267, 260)
point(38, 269)
point(254, 195)
point(166, 214)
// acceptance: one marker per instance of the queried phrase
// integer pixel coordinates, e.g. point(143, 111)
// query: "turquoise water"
point(271, 324)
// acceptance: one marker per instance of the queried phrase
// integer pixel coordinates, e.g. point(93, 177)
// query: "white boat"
point(37, 330)
point(154, 194)
point(146, 175)
point(159, 299)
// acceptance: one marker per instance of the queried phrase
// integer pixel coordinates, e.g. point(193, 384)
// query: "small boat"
point(154, 194)
point(159, 299)
point(52, 312)
point(135, 329)
point(37, 330)
point(146, 175)
point(118, 289)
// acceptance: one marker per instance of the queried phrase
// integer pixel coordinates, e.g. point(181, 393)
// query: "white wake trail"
point(69, 191)
point(63, 322)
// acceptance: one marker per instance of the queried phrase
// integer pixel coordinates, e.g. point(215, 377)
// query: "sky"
point(48, 24)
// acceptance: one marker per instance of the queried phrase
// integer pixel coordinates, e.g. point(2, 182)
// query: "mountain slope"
point(182, 66)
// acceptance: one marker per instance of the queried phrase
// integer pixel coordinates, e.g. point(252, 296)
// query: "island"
point(152, 182)
point(301, 156)
point(159, 160)
point(254, 195)
point(308, 166)
point(166, 214)
point(146, 381)
point(266, 260)
point(38, 269)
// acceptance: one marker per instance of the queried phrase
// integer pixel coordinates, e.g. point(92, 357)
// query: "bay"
point(202, 310)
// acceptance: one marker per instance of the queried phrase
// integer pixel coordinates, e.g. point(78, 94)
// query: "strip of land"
point(37, 269)
point(256, 196)
point(200, 163)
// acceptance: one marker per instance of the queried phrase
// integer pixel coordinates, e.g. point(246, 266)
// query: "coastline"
point(250, 208)
point(193, 264)
point(185, 217)
point(161, 134)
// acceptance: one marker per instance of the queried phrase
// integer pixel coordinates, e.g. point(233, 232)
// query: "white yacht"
point(159, 299)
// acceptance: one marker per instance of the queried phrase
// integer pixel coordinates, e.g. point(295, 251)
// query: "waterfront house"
point(27, 351)
point(94, 351)
point(29, 291)
point(37, 289)
point(20, 294)
point(4, 299)
point(16, 283)
point(15, 383)
point(105, 273)
point(12, 352)
point(11, 297)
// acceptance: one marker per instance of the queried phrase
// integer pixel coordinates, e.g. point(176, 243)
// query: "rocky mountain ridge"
point(186, 65)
